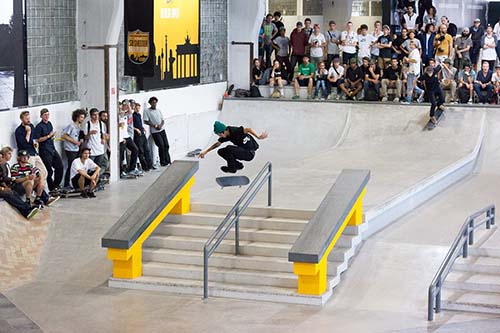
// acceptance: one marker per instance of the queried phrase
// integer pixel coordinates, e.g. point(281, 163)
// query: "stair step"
point(229, 261)
point(484, 252)
point(254, 211)
point(218, 274)
point(270, 223)
point(471, 301)
point(195, 287)
point(473, 264)
point(473, 282)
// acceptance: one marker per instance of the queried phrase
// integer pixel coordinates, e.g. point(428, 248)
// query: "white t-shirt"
point(95, 142)
point(317, 51)
point(336, 73)
point(495, 78)
point(122, 127)
point(375, 49)
point(77, 165)
point(414, 68)
point(489, 53)
point(411, 22)
point(364, 43)
point(351, 39)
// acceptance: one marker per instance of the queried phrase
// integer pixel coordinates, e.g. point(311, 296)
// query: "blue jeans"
point(320, 84)
point(479, 90)
point(409, 85)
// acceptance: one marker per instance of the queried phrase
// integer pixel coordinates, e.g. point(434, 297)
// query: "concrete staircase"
point(474, 283)
point(173, 256)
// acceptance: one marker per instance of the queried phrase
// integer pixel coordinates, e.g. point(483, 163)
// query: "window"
point(312, 7)
point(367, 8)
point(286, 7)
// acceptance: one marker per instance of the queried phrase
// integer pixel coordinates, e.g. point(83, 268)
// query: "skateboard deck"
point(194, 153)
point(229, 181)
point(430, 125)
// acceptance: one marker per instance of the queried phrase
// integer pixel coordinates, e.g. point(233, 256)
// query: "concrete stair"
point(173, 256)
point(474, 283)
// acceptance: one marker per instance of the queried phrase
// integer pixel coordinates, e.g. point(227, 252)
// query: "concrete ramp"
point(311, 142)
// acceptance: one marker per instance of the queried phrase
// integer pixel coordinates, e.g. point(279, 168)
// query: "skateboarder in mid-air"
point(243, 148)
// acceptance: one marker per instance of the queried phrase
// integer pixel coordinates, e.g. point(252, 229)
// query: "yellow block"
point(311, 276)
point(127, 263)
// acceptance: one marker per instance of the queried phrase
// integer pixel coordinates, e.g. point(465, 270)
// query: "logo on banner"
point(138, 46)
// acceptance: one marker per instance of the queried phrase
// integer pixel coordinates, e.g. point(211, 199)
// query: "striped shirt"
point(19, 171)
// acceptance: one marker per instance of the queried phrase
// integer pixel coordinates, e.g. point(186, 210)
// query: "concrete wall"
point(462, 12)
point(339, 11)
point(245, 19)
point(51, 41)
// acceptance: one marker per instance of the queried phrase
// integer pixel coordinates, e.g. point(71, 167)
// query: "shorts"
point(336, 83)
point(74, 180)
point(346, 57)
point(303, 82)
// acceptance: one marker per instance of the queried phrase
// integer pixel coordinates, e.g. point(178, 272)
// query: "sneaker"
point(433, 120)
point(52, 200)
point(470, 101)
point(239, 166)
point(441, 107)
point(322, 99)
point(91, 194)
point(227, 169)
point(453, 101)
point(38, 203)
point(296, 97)
point(123, 174)
point(421, 97)
point(405, 102)
point(84, 195)
point(396, 100)
point(32, 213)
point(384, 99)
point(154, 167)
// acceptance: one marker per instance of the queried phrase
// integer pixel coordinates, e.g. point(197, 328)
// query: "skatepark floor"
point(385, 289)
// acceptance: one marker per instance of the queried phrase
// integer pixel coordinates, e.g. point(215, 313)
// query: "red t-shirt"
point(299, 41)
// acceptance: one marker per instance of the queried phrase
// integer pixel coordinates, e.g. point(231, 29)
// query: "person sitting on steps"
point(243, 148)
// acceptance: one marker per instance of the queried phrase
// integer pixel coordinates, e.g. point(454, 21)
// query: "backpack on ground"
point(242, 93)
point(254, 91)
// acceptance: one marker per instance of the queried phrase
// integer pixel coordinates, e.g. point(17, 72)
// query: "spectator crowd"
point(386, 63)
point(36, 178)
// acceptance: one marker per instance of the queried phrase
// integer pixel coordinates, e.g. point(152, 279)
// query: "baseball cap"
point(477, 20)
point(497, 66)
point(336, 59)
point(386, 27)
point(353, 60)
point(299, 24)
point(219, 127)
point(22, 152)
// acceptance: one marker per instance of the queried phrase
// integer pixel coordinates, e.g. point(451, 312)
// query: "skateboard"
point(73, 193)
point(194, 153)
point(430, 125)
point(230, 181)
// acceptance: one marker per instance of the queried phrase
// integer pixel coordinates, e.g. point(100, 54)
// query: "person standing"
point(489, 43)
point(427, 42)
point(298, 43)
point(384, 43)
point(141, 140)
point(26, 140)
point(413, 60)
point(72, 140)
point(410, 19)
point(317, 42)
point(45, 134)
point(349, 39)
point(126, 132)
point(463, 44)
point(443, 43)
point(270, 30)
point(477, 32)
point(496, 31)
point(96, 137)
point(332, 43)
point(282, 42)
point(377, 32)
point(154, 118)
point(365, 42)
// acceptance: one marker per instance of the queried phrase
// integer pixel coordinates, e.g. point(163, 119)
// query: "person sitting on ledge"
point(243, 149)
point(10, 196)
point(84, 172)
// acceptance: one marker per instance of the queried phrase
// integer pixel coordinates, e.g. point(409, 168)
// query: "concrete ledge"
point(391, 210)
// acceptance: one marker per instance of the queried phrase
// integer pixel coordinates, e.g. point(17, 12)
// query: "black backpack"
point(254, 91)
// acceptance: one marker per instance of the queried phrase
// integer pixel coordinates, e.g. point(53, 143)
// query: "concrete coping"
point(316, 237)
point(138, 217)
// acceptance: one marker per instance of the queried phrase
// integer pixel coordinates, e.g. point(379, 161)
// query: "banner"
point(139, 34)
point(176, 44)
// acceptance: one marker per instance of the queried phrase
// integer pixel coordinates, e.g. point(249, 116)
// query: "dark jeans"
point(144, 154)
point(268, 49)
point(286, 65)
point(474, 51)
point(233, 153)
point(130, 145)
point(52, 160)
point(479, 92)
point(432, 99)
point(161, 142)
point(70, 156)
point(15, 201)
point(296, 59)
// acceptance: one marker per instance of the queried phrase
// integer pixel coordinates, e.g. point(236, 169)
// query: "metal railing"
point(233, 219)
point(460, 246)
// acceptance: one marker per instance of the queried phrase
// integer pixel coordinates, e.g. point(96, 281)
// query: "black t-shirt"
point(392, 74)
point(376, 72)
point(276, 74)
point(238, 137)
point(256, 72)
point(278, 25)
point(354, 74)
point(385, 52)
point(431, 82)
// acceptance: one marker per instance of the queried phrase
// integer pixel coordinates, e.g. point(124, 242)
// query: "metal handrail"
point(233, 219)
point(460, 246)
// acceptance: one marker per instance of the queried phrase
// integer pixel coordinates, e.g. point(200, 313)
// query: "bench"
point(342, 206)
point(170, 193)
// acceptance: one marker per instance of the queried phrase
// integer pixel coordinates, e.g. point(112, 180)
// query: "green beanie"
point(219, 127)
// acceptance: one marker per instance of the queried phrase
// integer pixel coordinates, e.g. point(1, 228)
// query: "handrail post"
point(471, 232)
point(488, 219)
point(430, 305)
point(205, 273)
point(237, 232)
point(438, 295)
point(269, 185)
point(493, 216)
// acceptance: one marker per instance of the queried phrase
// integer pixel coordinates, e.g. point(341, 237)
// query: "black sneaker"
point(84, 195)
point(38, 203)
point(239, 166)
point(91, 194)
point(227, 169)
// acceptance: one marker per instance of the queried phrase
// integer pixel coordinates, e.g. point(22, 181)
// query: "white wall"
point(245, 19)
point(189, 114)
point(60, 116)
